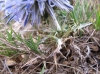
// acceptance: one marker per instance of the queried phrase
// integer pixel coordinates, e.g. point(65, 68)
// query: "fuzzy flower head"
point(32, 10)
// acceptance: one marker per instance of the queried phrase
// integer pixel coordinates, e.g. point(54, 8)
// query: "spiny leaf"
point(32, 45)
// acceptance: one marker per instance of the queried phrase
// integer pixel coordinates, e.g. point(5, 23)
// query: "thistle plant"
point(31, 11)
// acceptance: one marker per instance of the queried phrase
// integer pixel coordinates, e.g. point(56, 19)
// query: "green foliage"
point(97, 22)
point(61, 17)
point(18, 36)
point(11, 39)
point(29, 42)
point(7, 52)
point(33, 45)
point(82, 12)
point(9, 35)
point(42, 71)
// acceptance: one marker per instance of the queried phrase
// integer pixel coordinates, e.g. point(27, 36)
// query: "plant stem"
point(54, 23)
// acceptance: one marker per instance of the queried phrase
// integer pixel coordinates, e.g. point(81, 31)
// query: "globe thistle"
point(32, 10)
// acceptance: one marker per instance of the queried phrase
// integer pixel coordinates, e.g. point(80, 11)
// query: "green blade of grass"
point(42, 71)
point(18, 36)
point(97, 22)
point(9, 36)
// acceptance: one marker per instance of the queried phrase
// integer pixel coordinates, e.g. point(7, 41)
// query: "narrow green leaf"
point(18, 36)
point(32, 45)
point(42, 71)
point(9, 36)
